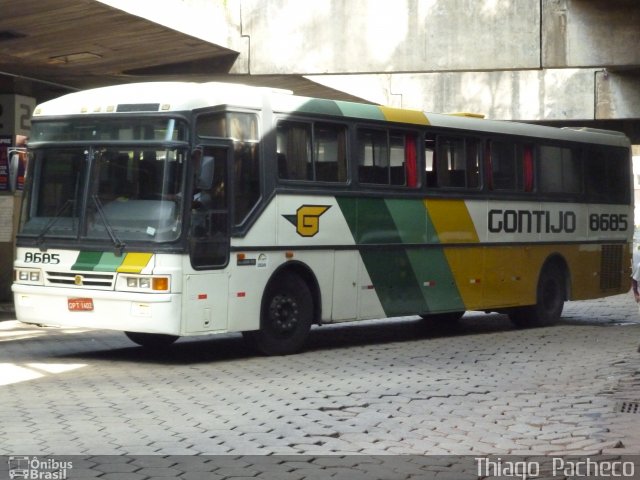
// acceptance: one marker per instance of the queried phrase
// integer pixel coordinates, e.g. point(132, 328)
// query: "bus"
point(176, 209)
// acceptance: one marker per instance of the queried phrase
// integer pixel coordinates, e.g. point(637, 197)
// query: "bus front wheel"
point(151, 340)
point(550, 297)
point(286, 317)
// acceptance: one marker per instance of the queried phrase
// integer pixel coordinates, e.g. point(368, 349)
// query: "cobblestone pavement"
point(400, 386)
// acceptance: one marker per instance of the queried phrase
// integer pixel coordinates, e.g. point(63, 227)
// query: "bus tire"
point(550, 297)
point(151, 340)
point(286, 316)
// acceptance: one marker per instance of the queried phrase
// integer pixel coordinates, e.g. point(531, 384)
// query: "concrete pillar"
point(618, 95)
point(590, 33)
point(15, 122)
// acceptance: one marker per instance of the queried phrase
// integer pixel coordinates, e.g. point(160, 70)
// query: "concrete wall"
point(559, 94)
point(337, 36)
point(590, 33)
point(508, 59)
point(522, 60)
point(617, 95)
point(9, 215)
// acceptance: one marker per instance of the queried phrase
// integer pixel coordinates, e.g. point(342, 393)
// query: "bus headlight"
point(143, 283)
point(28, 275)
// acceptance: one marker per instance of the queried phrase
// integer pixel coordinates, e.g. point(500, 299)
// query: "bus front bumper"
point(124, 311)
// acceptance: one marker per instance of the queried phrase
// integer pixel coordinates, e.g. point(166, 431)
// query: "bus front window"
point(136, 196)
point(113, 194)
point(53, 197)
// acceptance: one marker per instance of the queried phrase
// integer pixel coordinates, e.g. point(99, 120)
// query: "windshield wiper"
point(51, 223)
point(117, 243)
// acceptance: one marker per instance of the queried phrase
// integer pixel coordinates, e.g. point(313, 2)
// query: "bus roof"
point(186, 96)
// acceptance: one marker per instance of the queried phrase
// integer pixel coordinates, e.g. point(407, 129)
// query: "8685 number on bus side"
point(608, 222)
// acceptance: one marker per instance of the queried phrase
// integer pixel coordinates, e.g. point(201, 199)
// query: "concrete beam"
point(561, 94)
point(369, 36)
point(618, 95)
point(590, 33)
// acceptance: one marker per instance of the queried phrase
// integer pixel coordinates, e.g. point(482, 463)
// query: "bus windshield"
point(98, 129)
point(115, 194)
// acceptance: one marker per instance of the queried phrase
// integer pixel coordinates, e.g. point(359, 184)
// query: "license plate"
point(80, 304)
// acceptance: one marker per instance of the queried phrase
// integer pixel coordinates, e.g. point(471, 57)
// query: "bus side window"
point(607, 174)
point(388, 157)
point(373, 156)
point(472, 157)
point(397, 173)
point(246, 179)
point(430, 162)
point(506, 167)
point(458, 162)
point(560, 170)
point(329, 152)
point(242, 128)
point(294, 150)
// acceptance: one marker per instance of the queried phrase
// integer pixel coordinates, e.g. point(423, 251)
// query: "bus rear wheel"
point(286, 317)
point(151, 340)
point(550, 297)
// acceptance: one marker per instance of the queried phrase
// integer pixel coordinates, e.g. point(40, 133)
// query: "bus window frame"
point(435, 137)
point(311, 183)
point(390, 128)
point(198, 150)
point(264, 185)
point(520, 144)
point(562, 196)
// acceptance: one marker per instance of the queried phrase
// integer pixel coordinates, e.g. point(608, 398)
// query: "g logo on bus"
point(78, 280)
point(307, 219)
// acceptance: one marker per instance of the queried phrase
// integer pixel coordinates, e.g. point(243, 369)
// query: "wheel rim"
point(284, 314)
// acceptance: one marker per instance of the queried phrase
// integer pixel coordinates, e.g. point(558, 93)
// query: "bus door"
point(206, 288)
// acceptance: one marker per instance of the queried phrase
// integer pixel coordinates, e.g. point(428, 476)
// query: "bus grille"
point(99, 281)
point(611, 267)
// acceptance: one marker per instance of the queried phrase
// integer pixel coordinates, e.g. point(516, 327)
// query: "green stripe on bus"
point(349, 109)
point(108, 262)
point(390, 270)
point(415, 279)
point(375, 223)
point(411, 220)
point(435, 280)
point(320, 106)
point(87, 261)
point(430, 266)
point(394, 281)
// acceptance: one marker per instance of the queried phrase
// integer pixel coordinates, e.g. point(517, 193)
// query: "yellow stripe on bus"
point(134, 262)
point(452, 221)
point(454, 224)
point(404, 116)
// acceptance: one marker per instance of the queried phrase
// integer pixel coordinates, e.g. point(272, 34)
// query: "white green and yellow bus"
point(178, 209)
